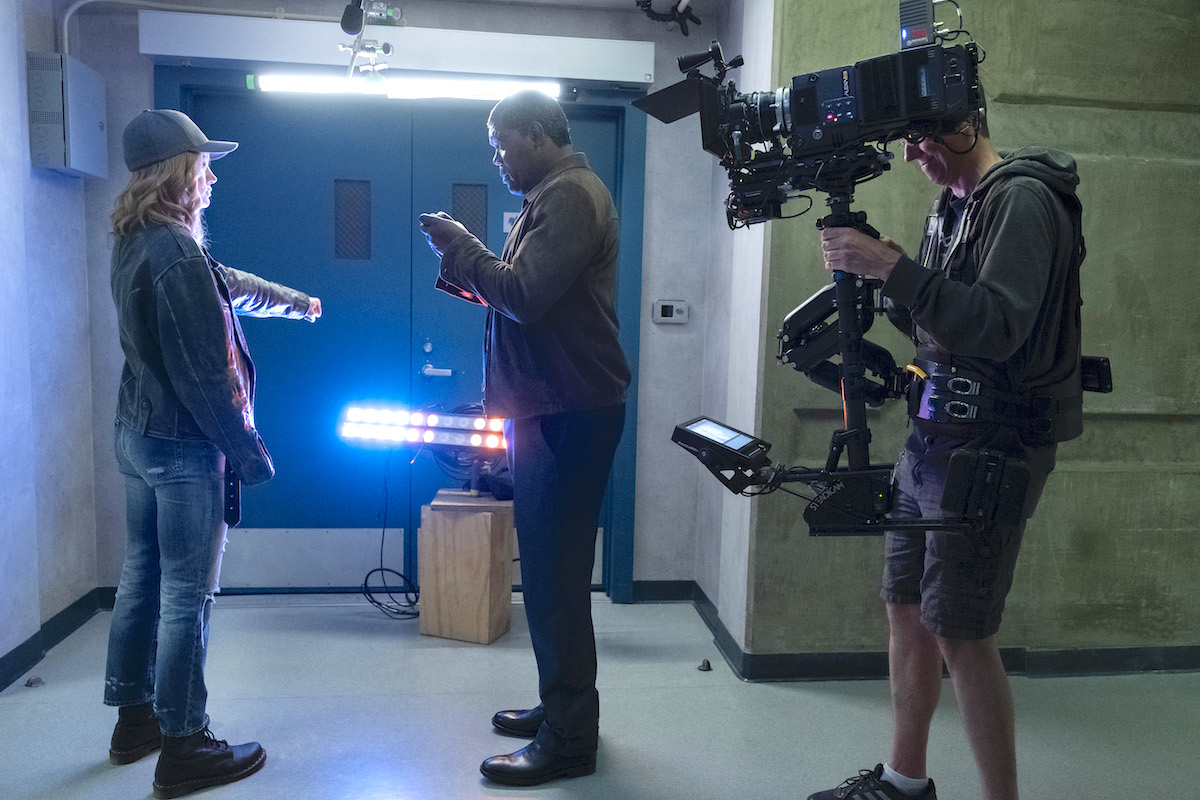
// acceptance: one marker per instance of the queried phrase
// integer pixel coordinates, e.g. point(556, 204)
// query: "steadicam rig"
point(986, 487)
point(827, 131)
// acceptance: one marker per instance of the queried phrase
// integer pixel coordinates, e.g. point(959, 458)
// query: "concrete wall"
point(1111, 557)
point(47, 532)
point(19, 618)
point(736, 324)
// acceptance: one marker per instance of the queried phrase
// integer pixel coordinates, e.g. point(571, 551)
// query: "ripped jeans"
point(158, 638)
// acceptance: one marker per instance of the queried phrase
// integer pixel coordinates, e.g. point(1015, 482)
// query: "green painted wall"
point(1112, 558)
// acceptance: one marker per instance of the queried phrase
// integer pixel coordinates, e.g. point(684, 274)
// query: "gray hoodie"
point(1002, 299)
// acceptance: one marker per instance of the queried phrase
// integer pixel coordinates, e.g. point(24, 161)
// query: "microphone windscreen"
point(352, 19)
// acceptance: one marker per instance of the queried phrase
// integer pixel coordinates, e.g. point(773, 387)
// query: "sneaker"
point(870, 785)
point(136, 734)
point(189, 763)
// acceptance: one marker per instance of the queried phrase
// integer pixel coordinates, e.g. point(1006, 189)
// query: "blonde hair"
point(160, 194)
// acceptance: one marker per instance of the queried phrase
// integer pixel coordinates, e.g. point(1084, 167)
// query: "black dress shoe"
point(531, 765)
point(519, 723)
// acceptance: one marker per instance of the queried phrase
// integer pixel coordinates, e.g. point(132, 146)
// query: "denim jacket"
point(188, 373)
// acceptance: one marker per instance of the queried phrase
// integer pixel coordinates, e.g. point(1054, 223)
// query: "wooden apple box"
point(465, 567)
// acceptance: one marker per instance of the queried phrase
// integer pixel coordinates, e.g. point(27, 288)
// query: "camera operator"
point(993, 298)
point(554, 368)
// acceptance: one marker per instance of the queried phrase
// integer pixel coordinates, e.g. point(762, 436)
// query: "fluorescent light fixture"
point(432, 428)
point(399, 88)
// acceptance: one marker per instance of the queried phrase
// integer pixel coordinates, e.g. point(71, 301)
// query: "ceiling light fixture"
point(398, 88)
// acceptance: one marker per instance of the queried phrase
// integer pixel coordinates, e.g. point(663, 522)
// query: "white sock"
point(910, 786)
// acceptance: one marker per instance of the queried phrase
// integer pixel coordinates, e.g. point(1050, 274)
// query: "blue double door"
point(323, 195)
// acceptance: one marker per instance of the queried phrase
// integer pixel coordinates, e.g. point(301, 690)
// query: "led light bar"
point(421, 428)
point(398, 88)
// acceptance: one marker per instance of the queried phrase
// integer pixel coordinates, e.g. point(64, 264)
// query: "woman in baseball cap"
point(185, 440)
point(156, 135)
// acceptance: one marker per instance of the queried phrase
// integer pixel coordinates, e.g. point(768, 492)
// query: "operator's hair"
point(524, 108)
point(159, 194)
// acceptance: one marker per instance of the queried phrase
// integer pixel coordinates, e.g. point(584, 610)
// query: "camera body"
point(822, 130)
point(926, 90)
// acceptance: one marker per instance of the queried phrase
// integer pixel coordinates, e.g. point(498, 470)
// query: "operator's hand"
point(441, 230)
point(314, 309)
point(851, 250)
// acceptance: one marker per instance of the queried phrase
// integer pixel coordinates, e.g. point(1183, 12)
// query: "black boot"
point(136, 734)
point(188, 763)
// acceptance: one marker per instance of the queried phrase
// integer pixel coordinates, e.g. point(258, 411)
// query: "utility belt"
point(944, 393)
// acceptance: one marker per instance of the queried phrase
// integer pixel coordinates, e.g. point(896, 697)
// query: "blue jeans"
point(158, 639)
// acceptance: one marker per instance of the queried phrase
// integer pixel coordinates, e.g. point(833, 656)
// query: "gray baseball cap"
point(156, 135)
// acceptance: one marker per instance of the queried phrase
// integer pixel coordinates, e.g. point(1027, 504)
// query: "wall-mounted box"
point(67, 129)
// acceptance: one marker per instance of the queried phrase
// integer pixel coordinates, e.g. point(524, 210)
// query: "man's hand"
point(314, 309)
point(851, 250)
point(441, 230)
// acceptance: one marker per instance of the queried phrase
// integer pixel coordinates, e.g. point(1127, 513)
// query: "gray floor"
point(351, 704)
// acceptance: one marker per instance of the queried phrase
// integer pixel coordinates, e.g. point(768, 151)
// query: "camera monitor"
point(734, 457)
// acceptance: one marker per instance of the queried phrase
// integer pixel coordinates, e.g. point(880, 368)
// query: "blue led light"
point(398, 426)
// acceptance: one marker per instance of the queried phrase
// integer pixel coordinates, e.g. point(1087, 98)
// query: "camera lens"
point(754, 116)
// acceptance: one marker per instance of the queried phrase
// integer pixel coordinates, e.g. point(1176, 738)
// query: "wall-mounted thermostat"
point(673, 311)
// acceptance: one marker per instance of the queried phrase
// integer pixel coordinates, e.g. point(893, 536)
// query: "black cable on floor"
point(404, 607)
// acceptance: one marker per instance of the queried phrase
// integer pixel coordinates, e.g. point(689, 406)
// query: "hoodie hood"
point(1053, 167)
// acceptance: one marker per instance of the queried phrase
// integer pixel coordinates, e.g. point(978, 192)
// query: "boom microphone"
point(352, 18)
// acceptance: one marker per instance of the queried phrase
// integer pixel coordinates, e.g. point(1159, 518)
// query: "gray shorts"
point(960, 580)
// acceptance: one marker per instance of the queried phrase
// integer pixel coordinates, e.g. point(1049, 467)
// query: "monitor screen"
point(718, 433)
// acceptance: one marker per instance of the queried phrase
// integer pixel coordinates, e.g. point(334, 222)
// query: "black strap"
point(949, 394)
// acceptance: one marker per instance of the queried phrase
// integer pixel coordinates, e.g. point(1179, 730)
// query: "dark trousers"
point(560, 465)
